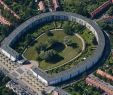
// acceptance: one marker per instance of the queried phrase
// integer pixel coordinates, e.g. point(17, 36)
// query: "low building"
point(96, 82)
point(101, 8)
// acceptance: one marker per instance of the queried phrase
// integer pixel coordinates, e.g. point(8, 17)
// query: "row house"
point(101, 8)
point(96, 82)
point(104, 74)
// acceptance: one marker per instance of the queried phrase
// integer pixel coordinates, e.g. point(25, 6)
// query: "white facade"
point(42, 80)
point(35, 74)
point(8, 55)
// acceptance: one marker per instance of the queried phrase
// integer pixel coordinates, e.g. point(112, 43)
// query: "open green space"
point(31, 41)
point(89, 50)
point(65, 52)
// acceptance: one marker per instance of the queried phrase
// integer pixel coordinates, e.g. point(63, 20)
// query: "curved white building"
point(45, 18)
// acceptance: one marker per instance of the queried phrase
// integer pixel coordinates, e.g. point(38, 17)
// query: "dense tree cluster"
point(47, 55)
point(67, 41)
point(45, 51)
point(110, 11)
point(106, 26)
point(70, 28)
point(4, 31)
point(24, 8)
point(41, 47)
point(83, 7)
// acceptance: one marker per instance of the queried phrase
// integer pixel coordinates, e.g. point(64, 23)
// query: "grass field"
point(89, 50)
point(68, 52)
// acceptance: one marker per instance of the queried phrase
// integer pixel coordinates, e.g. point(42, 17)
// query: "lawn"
point(89, 50)
point(68, 52)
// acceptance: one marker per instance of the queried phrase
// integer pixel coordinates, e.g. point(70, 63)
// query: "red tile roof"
point(41, 6)
point(104, 74)
point(94, 81)
point(55, 4)
point(100, 8)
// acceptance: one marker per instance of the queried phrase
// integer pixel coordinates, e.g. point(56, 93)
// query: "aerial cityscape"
point(56, 47)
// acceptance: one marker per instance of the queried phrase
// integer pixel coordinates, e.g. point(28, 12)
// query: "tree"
point(110, 11)
point(67, 41)
point(41, 47)
point(52, 41)
point(69, 30)
point(78, 27)
point(7, 91)
point(29, 38)
point(41, 56)
point(5, 79)
point(104, 25)
point(49, 33)
point(47, 55)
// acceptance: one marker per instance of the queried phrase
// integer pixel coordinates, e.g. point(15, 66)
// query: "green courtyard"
point(55, 47)
point(66, 53)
